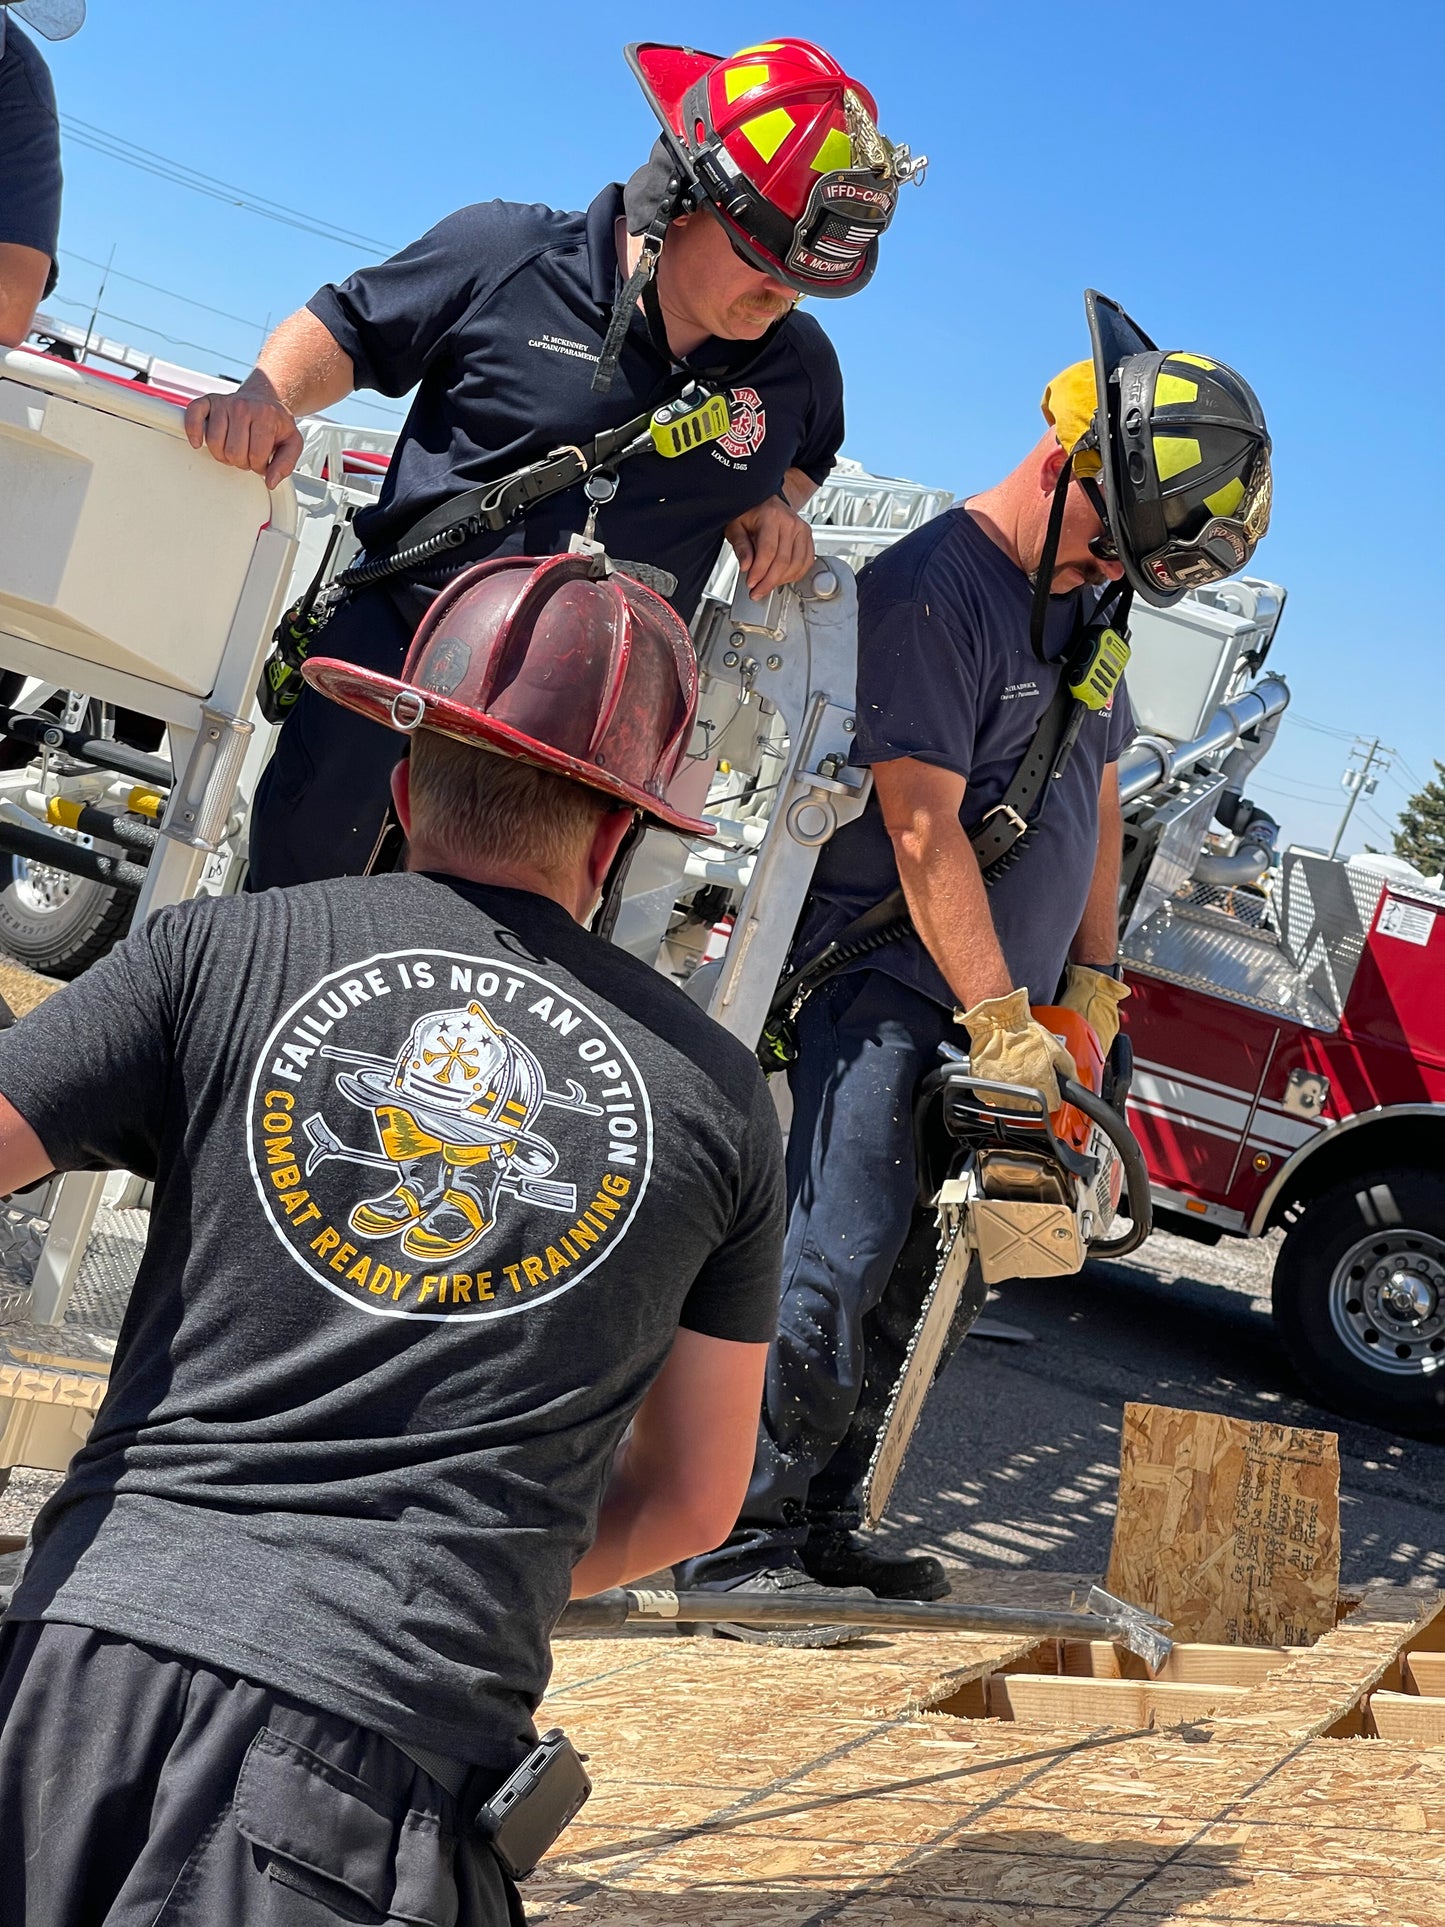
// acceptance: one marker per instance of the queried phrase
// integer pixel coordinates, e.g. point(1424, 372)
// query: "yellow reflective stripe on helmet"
point(767, 132)
point(737, 80)
point(835, 153)
point(1173, 454)
point(763, 47)
point(1224, 501)
point(1195, 361)
point(1170, 388)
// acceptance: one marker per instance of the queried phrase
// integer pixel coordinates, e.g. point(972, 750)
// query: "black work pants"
point(322, 797)
point(865, 1041)
point(138, 1789)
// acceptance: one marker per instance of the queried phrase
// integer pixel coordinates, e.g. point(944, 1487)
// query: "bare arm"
point(301, 368)
point(24, 1160)
point(940, 876)
point(23, 273)
point(680, 1476)
point(1097, 939)
point(772, 542)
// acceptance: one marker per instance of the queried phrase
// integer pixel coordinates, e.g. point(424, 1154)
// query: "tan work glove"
point(1097, 999)
point(1010, 1046)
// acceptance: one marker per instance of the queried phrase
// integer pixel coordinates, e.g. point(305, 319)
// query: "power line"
point(176, 341)
point(1320, 729)
point(156, 288)
point(202, 348)
point(1301, 789)
point(117, 148)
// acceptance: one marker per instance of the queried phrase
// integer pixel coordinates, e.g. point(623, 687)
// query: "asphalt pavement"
point(1016, 1460)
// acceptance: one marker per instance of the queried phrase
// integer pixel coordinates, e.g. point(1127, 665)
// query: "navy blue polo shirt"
point(29, 149)
point(499, 314)
point(946, 675)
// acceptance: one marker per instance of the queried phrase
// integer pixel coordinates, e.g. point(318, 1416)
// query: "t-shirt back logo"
point(440, 1136)
point(749, 423)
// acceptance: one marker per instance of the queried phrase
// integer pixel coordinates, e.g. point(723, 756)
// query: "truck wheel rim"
point(1387, 1303)
point(41, 889)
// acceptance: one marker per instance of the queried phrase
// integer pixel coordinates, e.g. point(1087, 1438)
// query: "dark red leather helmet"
point(561, 663)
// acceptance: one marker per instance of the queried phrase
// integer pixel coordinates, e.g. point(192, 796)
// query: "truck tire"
point(59, 924)
point(1359, 1300)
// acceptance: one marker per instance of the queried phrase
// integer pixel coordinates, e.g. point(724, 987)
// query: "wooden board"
point(1406, 1716)
point(1189, 1664)
point(1425, 1673)
point(1228, 1529)
point(1047, 1699)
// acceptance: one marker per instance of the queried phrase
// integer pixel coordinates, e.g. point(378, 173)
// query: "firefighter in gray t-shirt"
point(448, 1193)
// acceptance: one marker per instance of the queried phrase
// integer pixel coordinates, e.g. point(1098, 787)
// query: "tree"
point(1420, 838)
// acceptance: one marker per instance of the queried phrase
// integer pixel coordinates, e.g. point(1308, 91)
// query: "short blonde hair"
point(473, 805)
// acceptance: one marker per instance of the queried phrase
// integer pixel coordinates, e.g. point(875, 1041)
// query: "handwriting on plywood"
point(1229, 1529)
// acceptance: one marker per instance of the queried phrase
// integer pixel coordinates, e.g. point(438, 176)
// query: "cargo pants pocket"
point(306, 1842)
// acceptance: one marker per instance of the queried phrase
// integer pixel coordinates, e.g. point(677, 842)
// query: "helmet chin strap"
point(1113, 605)
point(639, 284)
point(1044, 578)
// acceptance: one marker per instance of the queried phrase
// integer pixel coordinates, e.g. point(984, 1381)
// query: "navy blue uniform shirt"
point(946, 675)
point(499, 314)
point(29, 149)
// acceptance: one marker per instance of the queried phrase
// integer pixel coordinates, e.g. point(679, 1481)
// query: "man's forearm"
point(1096, 941)
point(302, 366)
point(949, 905)
point(640, 1529)
point(798, 488)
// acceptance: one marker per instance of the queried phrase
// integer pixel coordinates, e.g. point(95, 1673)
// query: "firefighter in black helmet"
point(1175, 461)
point(973, 632)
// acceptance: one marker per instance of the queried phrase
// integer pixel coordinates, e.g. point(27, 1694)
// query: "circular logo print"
point(749, 423)
point(439, 1136)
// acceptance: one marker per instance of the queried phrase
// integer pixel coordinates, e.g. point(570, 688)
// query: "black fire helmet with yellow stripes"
point(1176, 461)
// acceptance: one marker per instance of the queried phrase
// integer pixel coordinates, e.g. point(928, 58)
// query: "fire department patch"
point(749, 424)
point(438, 1136)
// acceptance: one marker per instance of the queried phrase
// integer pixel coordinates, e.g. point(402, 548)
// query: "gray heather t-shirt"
point(437, 1177)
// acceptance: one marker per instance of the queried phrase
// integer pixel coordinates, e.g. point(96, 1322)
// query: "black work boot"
point(844, 1559)
point(793, 1581)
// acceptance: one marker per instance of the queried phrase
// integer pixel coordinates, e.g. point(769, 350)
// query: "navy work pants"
point(138, 1789)
point(865, 1042)
point(322, 798)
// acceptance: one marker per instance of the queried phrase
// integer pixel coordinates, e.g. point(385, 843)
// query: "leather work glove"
point(1010, 1046)
point(1097, 999)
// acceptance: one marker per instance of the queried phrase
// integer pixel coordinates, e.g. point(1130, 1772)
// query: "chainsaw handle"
point(1136, 1175)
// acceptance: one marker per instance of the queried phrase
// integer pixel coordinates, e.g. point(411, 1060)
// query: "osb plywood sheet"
point(1230, 1530)
point(762, 1787)
point(1320, 1686)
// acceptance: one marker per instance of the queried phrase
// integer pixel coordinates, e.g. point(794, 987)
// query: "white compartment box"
point(1184, 658)
point(124, 552)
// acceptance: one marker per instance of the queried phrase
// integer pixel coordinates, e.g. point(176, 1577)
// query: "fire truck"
point(1288, 1063)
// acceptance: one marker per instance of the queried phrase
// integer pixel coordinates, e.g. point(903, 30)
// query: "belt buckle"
point(1016, 821)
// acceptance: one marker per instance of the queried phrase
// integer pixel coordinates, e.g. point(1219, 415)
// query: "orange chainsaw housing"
point(1070, 1126)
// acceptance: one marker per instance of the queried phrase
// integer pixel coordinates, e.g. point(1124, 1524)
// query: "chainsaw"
point(1016, 1193)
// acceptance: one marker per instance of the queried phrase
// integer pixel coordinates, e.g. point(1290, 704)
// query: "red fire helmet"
point(785, 148)
point(560, 663)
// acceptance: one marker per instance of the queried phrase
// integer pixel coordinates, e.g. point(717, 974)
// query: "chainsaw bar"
point(925, 1348)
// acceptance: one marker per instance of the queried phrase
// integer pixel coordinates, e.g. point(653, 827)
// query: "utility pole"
point(1359, 782)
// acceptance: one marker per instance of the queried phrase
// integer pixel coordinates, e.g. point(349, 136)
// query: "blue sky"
point(1261, 184)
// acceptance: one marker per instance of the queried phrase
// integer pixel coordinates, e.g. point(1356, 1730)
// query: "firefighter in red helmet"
point(450, 1196)
point(524, 330)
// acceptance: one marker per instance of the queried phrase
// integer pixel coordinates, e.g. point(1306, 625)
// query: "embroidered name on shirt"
point(441, 1136)
point(560, 345)
point(1014, 690)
